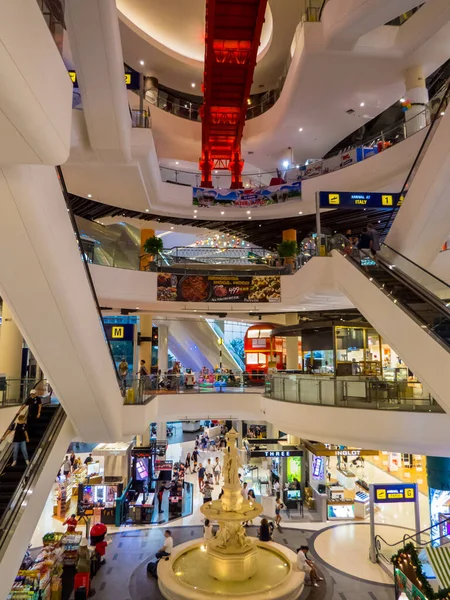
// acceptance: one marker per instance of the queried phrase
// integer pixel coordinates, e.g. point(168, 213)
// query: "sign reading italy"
point(378, 200)
point(248, 197)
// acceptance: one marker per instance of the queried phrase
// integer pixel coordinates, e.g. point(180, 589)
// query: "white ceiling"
point(150, 31)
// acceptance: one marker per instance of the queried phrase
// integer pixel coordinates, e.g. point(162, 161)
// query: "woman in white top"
point(307, 566)
point(208, 533)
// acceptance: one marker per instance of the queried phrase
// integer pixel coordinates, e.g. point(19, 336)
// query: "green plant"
point(287, 249)
point(153, 245)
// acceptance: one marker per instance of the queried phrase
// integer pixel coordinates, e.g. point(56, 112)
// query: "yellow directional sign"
point(334, 199)
point(117, 332)
point(386, 200)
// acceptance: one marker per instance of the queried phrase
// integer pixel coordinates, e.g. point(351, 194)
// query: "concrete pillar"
point(144, 259)
point(163, 348)
point(289, 235)
point(292, 343)
point(11, 342)
point(145, 348)
point(146, 436)
point(161, 430)
point(416, 117)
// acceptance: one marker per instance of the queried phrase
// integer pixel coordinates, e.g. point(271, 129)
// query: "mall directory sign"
point(218, 288)
point(401, 492)
point(380, 201)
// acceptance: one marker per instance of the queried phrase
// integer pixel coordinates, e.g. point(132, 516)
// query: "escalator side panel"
point(425, 356)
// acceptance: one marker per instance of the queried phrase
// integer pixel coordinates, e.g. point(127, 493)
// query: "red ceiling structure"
point(232, 37)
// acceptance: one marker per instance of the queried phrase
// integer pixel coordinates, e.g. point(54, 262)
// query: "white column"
point(163, 348)
point(416, 117)
point(145, 349)
point(10, 346)
point(161, 430)
point(291, 343)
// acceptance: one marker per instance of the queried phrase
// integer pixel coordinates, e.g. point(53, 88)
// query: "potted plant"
point(288, 250)
point(152, 247)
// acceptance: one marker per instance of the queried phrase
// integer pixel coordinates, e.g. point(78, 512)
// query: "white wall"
point(7, 414)
point(36, 98)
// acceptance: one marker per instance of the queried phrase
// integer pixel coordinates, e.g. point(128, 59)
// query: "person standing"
point(123, 372)
point(71, 523)
point(34, 404)
point(277, 489)
point(88, 459)
point(208, 533)
point(209, 468)
point(278, 506)
point(20, 439)
point(72, 459)
point(217, 471)
point(207, 492)
point(375, 237)
point(143, 374)
point(66, 467)
point(167, 547)
point(160, 498)
point(201, 477)
point(244, 491)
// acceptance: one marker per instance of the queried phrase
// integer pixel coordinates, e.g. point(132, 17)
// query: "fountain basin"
point(185, 575)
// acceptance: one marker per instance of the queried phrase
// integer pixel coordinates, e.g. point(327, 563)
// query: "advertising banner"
point(218, 288)
point(248, 197)
point(401, 492)
point(380, 201)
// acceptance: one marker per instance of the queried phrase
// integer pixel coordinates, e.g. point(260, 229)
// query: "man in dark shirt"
point(88, 459)
point(195, 459)
point(34, 404)
point(201, 477)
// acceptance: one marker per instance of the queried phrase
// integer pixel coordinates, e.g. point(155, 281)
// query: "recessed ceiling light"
point(89, 195)
point(249, 217)
point(300, 213)
point(222, 212)
point(146, 210)
point(142, 63)
point(195, 216)
point(171, 228)
point(297, 166)
point(402, 99)
point(442, 113)
point(192, 84)
point(216, 172)
point(301, 129)
point(177, 163)
point(260, 225)
point(248, 212)
point(195, 210)
point(361, 103)
point(137, 307)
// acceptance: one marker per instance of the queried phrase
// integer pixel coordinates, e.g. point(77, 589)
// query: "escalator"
point(409, 306)
point(11, 476)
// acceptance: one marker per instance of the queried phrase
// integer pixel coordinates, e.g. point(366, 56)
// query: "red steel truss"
point(232, 36)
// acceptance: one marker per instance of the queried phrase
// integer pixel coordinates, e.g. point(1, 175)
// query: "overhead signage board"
point(402, 492)
point(131, 79)
point(321, 450)
point(377, 200)
point(118, 333)
point(275, 453)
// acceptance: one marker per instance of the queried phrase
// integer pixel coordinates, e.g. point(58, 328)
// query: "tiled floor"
point(124, 576)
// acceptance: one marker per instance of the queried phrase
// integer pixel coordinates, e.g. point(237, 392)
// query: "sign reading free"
point(360, 200)
point(402, 492)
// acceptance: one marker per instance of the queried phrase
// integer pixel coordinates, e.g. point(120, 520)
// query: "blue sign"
point(119, 332)
point(378, 200)
point(401, 492)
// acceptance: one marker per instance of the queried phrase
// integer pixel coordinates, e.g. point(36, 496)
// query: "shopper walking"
point(375, 237)
point(88, 459)
point(201, 477)
point(217, 471)
point(72, 459)
point(123, 372)
point(209, 468)
point(278, 506)
point(207, 492)
point(187, 462)
point(20, 439)
point(195, 458)
point(143, 374)
point(307, 566)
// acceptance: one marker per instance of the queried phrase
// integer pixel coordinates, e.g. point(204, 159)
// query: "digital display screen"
point(341, 511)
point(318, 468)
point(141, 469)
point(294, 495)
point(439, 510)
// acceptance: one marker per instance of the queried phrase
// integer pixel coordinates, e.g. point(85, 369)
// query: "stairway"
point(11, 476)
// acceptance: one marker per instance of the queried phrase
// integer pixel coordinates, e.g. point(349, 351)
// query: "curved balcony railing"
point(365, 393)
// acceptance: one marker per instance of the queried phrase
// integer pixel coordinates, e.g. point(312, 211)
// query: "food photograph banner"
point(218, 288)
point(273, 194)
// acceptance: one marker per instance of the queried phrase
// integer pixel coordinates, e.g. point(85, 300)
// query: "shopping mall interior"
point(224, 299)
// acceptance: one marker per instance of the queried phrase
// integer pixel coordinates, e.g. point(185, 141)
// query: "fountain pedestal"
point(232, 567)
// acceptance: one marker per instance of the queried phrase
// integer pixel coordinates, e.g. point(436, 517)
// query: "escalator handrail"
point(418, 266)
point(86, 266)
point(416, 318)
point(430, 132)
point(31, 474)
point(414, 536)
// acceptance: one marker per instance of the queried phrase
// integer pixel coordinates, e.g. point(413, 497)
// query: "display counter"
point(340, 510)
point(346, 478)
point(362, 505)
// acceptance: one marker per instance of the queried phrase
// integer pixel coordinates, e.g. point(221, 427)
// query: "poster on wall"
point(218, 288)
point(248, 197)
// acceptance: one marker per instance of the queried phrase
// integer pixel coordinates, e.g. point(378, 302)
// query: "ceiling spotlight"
point(177, 163)
point(442, 113)
point(171, 228)
point(402, 99)
point(297, 166)
point(216, 172)
point(249, 217)
point(142, 63)
point(301, 129)
point(137, 307)
point(300, 213)
point(89, 195)
point(222, 212)
point(195, 216)
point(285, 164)
point(192, 84)
point(248, 212)
point(361, 103)
point(146, 210)
point(195, 210)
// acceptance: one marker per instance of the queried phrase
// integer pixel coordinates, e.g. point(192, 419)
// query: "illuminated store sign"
point(360, 200)
point(276, 453)
point(394, 493)
point(348, 452)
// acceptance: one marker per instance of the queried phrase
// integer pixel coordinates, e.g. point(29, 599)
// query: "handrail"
point(86, 265)
point(414, 536)
point(414, 167)
point(220, 334)
point(18, 502)
point(418, 266)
